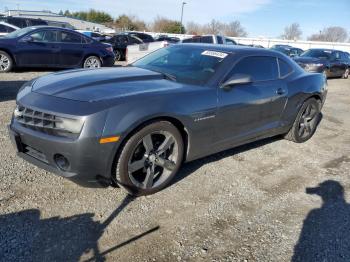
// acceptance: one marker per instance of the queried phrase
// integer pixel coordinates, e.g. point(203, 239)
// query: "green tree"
point(93, 16)
point(67, 13)
point(165, 25)
point(126, 22)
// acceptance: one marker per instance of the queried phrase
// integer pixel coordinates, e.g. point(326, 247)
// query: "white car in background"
point(135, 52)
point(6, 28)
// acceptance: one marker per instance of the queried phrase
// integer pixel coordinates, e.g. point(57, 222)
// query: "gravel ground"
point(246, 204)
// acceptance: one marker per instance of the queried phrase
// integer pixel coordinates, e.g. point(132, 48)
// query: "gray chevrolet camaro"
point(134, 126)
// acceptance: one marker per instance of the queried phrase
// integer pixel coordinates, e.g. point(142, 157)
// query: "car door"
point(72, 46)
point(249, 110)
point(38, 49)
point(337, 65)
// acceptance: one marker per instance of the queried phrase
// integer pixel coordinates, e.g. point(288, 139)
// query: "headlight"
point(68, 124)
point(315, 65)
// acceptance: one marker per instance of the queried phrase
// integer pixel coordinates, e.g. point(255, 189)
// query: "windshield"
point(19, 32)
point(317, 53)
point(185, 64)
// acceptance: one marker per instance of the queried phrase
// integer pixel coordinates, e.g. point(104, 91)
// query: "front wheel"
point(150, 159)
point(92, 62)
point(118, 55)
point(346, 74)
point(306, 122)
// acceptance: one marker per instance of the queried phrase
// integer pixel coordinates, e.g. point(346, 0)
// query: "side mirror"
point(27, 39)
point(237, 79)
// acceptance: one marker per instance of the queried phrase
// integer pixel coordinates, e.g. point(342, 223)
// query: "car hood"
point(309, 60)
point(90, 85)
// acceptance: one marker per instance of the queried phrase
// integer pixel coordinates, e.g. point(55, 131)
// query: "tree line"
point(328, 34)
point(234, 28)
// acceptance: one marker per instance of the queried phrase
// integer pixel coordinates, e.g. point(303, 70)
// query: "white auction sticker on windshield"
point(214, 53)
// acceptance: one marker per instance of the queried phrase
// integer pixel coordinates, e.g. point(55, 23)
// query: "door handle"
point(280, 91)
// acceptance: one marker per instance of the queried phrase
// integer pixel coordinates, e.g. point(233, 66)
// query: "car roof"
point(326, 49)
point(34, 27)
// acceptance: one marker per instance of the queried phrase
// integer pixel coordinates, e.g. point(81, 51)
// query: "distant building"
point(57, 19)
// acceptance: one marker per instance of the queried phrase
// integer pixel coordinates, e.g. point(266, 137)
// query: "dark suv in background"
point(22, 22)
point(121, 41)
point(333, 63)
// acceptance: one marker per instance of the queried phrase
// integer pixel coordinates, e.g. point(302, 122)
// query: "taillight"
point(110, 49)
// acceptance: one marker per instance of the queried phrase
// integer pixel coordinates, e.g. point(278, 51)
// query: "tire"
point(92, 62)
point(150, 159)
point(6, 62)
point(346, 74)
point(118, 55)
point(306, 122)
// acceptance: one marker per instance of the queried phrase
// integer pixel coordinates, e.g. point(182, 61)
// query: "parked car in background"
point(22, 22)
point(288, 50)
point(135, 126)
point(121, 41)
point(332, 63)
point(6, 28)
point(210, 39)
point(169, 39)
point(94, 35)
point(44, 46)
point(135, 52)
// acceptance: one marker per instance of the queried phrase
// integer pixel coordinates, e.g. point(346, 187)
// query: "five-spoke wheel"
point(92, 62)
point(150, 158)
point(306, 122)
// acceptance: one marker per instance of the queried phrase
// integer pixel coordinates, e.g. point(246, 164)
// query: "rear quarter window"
point(285, 68)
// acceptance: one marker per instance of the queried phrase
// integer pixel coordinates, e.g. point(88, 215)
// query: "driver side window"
point(38, 36)
point(259, 68)
point(45, 36)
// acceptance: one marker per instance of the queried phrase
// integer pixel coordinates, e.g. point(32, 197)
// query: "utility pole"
point(182, 14)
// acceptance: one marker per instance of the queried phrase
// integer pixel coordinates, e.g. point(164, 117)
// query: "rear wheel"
point(150, 158)
point(118, 55)
point(6, 62)
point(92, 62)
point(346, 74)
point(306, 122)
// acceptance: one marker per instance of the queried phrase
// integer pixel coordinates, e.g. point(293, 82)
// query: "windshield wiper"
point(166, 75)
point(169, 76)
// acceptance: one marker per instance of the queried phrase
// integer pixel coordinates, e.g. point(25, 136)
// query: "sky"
point(266, 18)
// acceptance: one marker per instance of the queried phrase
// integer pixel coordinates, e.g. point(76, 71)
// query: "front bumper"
point(90, 162)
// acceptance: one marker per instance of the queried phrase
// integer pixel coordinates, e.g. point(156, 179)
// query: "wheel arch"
point(173, 120)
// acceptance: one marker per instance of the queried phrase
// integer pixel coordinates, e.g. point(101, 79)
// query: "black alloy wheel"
point(150, 159)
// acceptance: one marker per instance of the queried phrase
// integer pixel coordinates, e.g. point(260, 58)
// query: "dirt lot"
point(245, 204)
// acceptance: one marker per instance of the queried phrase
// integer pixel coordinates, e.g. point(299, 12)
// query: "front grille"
point(36, 120)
